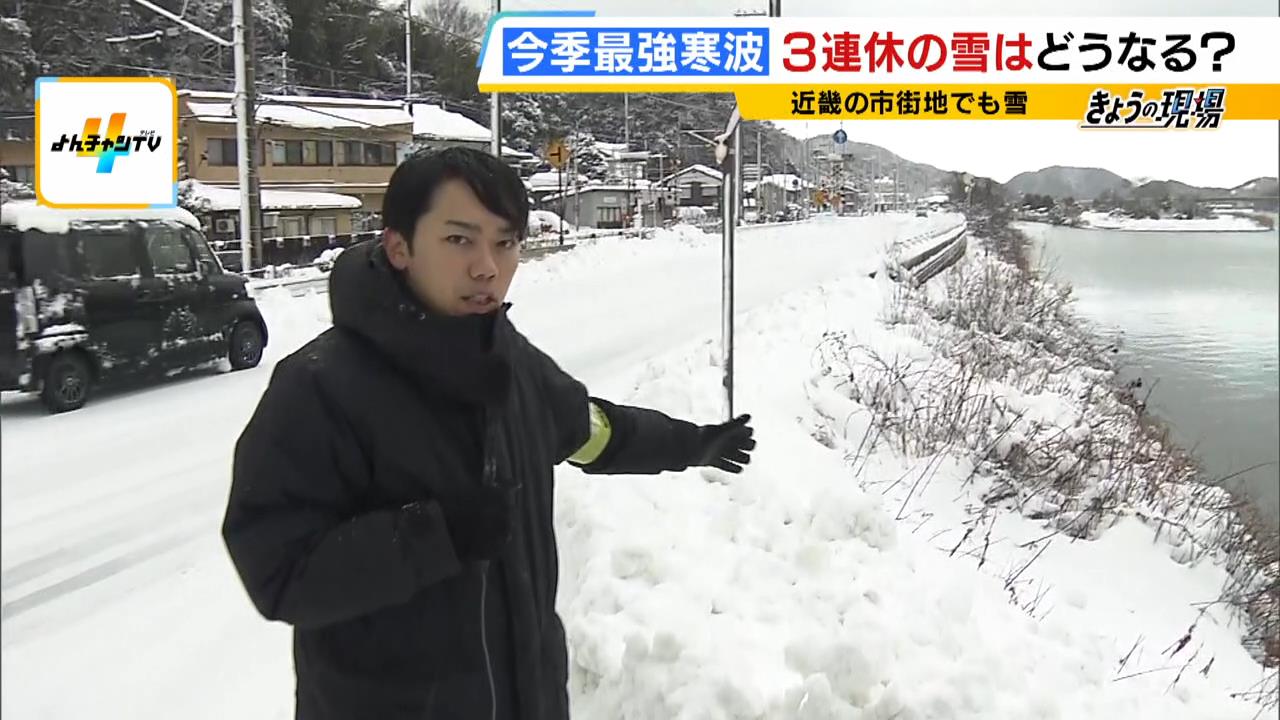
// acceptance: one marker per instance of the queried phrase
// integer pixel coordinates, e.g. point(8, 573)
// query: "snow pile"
point(1225, 223)
point(810, 588)
point(544, 221)
point(329, 256)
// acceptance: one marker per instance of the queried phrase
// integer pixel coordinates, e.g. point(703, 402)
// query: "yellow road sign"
point(557, 153)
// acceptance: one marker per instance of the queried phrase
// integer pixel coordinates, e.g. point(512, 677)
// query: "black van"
point(92, 296)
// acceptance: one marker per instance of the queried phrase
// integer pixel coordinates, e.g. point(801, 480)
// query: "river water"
point(1199, 314)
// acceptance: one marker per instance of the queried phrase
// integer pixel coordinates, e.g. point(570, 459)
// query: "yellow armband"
point(601, 431)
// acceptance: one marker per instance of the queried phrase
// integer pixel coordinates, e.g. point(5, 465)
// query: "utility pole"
point(408, 50)
point(245, 135)
point(626, 120)
point(897, 205)
point(246, 128)
point(759, 179)
point(495, 107)
point(251, 103)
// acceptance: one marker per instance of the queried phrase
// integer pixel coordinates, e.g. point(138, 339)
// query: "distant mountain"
point(1264, 187)
point(1088, 183)
point(1061, 182)
point(1157, 189)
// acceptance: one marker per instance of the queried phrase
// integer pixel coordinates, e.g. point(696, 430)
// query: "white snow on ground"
point(788, 592)
point(1103, 221)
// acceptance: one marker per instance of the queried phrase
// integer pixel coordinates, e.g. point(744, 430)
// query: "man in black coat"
point(392, 494)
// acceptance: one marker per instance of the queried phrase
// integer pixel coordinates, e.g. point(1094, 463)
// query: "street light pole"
point(495, 107)
point(408, 50)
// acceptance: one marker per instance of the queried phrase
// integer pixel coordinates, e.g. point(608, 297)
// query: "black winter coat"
point(334, 526)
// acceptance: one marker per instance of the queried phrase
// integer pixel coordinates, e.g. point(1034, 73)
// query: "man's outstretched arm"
point(602, 438)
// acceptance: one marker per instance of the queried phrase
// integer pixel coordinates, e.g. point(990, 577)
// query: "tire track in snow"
point(160, 546)
point(121, 531)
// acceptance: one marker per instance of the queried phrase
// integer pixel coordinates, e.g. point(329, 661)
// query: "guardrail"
point(921, 257)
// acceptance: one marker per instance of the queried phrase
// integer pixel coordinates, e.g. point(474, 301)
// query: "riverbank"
point(1246, 542)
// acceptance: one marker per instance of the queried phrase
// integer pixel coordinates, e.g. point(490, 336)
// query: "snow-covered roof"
point(699, 168)
point(552, 180)
point(786, 181)
point(214, 198)
point(518, 154)
point(636, 186)
point(620, 151)
point(433, 121)
point(28, 215)
point(300, 111)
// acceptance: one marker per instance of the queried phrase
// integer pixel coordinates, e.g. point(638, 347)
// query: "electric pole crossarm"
point(185, 23)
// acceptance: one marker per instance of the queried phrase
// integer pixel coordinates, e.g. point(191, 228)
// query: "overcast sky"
point(1237, 152)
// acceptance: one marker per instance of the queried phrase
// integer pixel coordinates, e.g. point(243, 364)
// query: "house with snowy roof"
point(17, 145)
point(608, 204)
point(337, 145)
point(695, 186)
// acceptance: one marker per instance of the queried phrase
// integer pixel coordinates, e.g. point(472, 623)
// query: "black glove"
point(725, 446)
point(479, 521)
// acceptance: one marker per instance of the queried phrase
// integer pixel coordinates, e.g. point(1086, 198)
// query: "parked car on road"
point(91, 296)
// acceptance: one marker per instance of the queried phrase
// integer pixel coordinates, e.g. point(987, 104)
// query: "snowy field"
point(793, 591)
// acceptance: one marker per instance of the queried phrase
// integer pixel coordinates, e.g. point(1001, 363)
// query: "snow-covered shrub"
point(995, 367)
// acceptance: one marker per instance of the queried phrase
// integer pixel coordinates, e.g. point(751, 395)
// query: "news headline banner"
point(1156, 73)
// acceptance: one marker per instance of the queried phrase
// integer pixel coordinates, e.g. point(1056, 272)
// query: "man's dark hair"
point(414, 183)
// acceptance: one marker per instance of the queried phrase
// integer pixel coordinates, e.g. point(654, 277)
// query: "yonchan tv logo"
point(129, 163)
point(109, 145)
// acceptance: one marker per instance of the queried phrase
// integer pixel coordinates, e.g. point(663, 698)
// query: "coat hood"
point(463, 357)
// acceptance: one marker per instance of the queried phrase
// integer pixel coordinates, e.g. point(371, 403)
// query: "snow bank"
point(1225, 223)
point(807, 588)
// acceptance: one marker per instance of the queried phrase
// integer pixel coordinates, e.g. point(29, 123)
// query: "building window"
point(324, 226)
point(302, 152)
point(293, 226)
point(366, 153)
point(221, 151)
point(608, 217)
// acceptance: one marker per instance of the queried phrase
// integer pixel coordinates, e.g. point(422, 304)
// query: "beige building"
point(17, 145)
point(306, 143)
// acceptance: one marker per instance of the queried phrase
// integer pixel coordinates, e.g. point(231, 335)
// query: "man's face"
point(463, 256)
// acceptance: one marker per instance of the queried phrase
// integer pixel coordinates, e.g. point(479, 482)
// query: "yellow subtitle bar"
point(1117, 106)
point(961, 102)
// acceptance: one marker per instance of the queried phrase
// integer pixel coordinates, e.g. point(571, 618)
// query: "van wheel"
point(66, 382)
point(245, 349)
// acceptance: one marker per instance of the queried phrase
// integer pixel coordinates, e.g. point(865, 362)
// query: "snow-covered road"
point(118, 598)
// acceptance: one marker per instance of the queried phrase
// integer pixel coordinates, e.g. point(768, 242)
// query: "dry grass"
point(999, 333)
